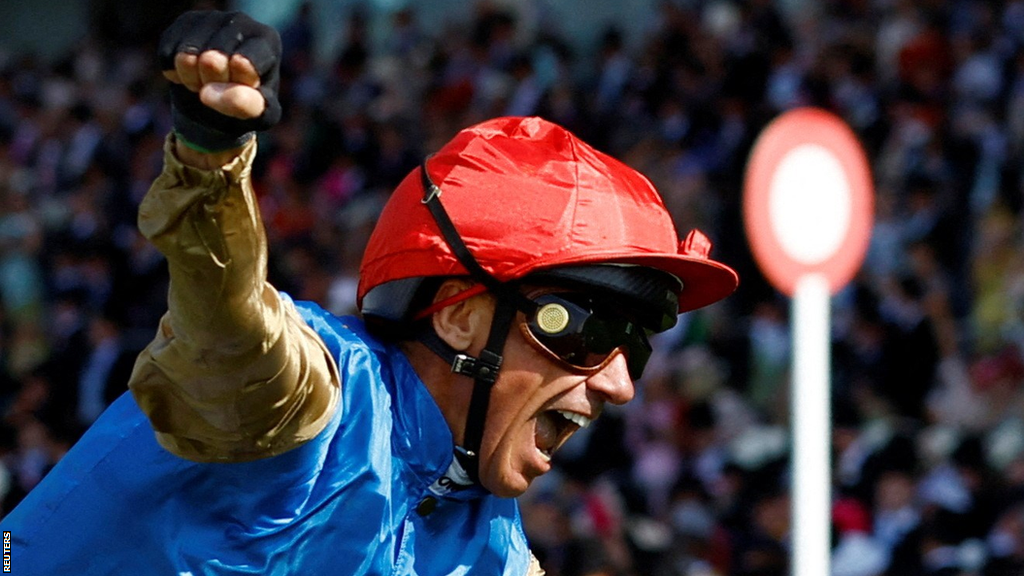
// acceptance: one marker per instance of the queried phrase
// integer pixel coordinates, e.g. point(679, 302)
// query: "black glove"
point(231, 33)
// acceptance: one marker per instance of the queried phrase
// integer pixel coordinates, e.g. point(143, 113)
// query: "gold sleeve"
point(234, 373)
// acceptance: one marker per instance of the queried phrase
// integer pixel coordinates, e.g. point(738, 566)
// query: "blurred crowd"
point(691, 479)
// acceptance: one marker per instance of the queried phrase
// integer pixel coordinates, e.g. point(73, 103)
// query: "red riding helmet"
point(527, 197)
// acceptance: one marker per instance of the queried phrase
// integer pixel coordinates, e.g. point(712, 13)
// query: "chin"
point(509, 486)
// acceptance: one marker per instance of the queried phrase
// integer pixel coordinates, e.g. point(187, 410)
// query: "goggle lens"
point(571, 329)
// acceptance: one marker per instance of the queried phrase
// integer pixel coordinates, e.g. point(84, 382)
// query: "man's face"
point(535, 406)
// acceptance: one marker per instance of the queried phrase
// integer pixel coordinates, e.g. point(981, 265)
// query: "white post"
point(812, 428)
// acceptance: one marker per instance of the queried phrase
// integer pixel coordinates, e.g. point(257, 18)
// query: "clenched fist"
point(224, 67)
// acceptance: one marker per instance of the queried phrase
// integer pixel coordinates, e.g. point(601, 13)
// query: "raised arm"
point(234, 373)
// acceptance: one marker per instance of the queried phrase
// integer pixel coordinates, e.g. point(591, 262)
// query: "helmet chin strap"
point(484, 368)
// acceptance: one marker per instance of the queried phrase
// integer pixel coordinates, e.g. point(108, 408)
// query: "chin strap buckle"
point(484, 369)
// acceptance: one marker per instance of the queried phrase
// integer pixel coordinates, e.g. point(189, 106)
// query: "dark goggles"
point(573, 331)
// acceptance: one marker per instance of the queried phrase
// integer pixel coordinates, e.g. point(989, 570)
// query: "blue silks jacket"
point(344, 503)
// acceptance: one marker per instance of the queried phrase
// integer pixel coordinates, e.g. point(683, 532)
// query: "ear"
point(464, 324)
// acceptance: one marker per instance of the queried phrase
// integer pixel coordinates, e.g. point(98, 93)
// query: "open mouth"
point(554, 427)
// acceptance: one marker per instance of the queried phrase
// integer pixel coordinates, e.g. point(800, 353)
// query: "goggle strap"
point(454, 299)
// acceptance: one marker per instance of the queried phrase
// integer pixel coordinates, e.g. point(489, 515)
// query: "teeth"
point(577, 419)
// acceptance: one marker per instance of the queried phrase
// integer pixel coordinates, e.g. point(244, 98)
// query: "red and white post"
point(808, 209)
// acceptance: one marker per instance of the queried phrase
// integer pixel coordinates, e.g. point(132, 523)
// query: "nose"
point(613, 381)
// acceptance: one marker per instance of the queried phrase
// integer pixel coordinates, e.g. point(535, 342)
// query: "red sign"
point(808, 200)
